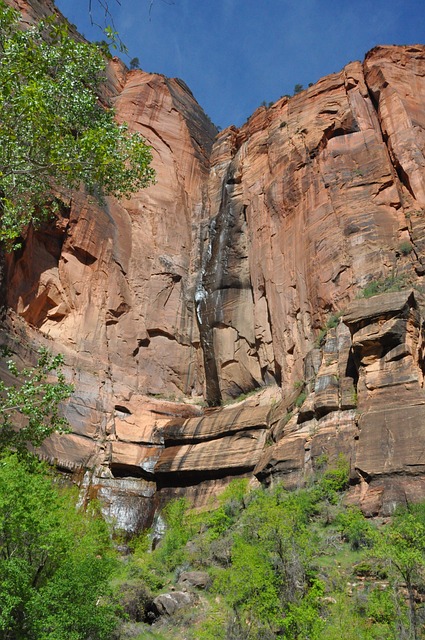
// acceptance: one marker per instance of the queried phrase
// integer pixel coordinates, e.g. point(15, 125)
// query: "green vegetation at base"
point(55, 562)
point(282, 565)
point(290, 565)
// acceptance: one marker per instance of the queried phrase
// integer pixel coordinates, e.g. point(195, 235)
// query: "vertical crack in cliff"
point(207, 294)
point(398, 170)
point(381, 91)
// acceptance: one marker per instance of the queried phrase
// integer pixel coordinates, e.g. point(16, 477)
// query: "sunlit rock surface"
point(216, 280)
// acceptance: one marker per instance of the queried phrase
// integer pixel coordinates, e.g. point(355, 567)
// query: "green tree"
point(55, 563)
point(402, 547)
point(55, 134)
point(269, 584)
point(355, 528)
point(30, 404)
point(251, 585)
point(172, 552)
point(134, 63)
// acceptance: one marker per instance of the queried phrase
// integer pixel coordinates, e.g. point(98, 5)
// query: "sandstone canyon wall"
point(216, 281)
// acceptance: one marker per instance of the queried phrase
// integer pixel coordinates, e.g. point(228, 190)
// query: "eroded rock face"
point(215, 281)
point(380, 433)
point(117, 282)
point(388, 346)
point(112, 287)
point(311, 199)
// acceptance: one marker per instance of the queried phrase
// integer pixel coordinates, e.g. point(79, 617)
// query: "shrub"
point(332, 322)
point(383, 285)
point(171, 551)
point(135, 599)
point(405, 248)
point(300, 399)
point(381, 607)
point(334, 479)
point(355, 528)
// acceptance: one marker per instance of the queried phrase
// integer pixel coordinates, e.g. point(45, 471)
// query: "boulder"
point(196, 579)
point(167, 604)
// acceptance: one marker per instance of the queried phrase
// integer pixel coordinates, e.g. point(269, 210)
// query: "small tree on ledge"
point(135, 63)
point(30, 403)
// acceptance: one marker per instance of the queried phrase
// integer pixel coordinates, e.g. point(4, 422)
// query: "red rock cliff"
point(217, 279)
point(320, 191)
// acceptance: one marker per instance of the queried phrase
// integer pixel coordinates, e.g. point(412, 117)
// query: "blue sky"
point(234, 54)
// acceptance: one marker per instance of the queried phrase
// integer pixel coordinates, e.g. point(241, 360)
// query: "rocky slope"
point(216, 281)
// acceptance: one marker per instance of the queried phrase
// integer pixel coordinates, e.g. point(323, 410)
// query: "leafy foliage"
point(300, 399)
point(55, 563)
point(356, 530)
point(217, 521)
point(172, 552)
point(331, 323)
point(297, 565)
point(135, 63)
point(405, 247)
point(55, 133)
point(30, 405)
point(383, 285)
point(334, 479)
point(402, 548)
point(290, 573)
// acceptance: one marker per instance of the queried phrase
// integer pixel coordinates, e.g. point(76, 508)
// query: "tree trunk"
point(3, 284)
point(412, 610)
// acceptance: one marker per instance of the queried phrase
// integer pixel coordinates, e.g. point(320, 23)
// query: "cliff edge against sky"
point(217, 280)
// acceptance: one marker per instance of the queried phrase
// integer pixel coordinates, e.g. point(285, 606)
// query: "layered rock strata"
point(216, 280)
point(310, 200)
point(367, 402)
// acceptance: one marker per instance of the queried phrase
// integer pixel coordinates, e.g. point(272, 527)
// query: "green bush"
point(171, 551)
point(303, 619)
point(356, 530)
point(332, 322)
point(134, 598)
point(55, 562)
point(383, 285)
point(280, 570)
point(250, 585)
point(334, 479)
point(405, 248)
point(381, 606)
point(300, 399)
